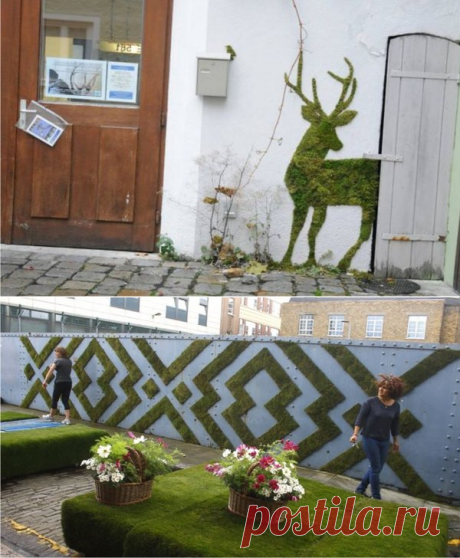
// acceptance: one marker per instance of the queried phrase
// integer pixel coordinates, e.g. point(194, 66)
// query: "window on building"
point(179, 311)
point(275, 309)
point(127, 303)
point(336, 325)
point(273, 331)
point(241, 327)
point(231, 306)
point(374, 327)
point(203, 312)
point(306, 324)
point(255, 303)
point(416, 327)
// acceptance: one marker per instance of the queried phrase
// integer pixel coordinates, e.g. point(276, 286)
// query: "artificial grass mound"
point(187, 516)
point(7, 416)
point(34, 451)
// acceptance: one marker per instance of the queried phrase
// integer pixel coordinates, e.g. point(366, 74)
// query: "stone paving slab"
point(35, 270)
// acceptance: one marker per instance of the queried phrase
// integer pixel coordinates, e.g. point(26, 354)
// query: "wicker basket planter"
point(239, 503)
point(124, 493)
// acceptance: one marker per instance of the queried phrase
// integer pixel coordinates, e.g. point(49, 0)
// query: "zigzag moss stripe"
point(210, 397)
point(428, 367)
point(165, 407)
point(318, 410)
point(354, 367)
point(410, 478)
point(39, 359)
point(276, 406)
point(167, 374)
point(344, 461)
point(127, 384)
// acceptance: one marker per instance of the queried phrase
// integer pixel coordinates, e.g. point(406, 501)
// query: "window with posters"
point(91, 52)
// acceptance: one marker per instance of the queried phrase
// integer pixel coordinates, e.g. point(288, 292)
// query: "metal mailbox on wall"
point(212, 74)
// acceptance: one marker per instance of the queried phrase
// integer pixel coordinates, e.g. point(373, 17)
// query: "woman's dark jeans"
point(376, 451)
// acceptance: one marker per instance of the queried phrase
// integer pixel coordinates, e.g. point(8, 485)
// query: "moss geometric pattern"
point(210, 396)
point(419, 373)
point(168, 373)
point(182, 393)
point(319, 409)
point(288, 391)
point(150, 388)
point(165, 407)
point(133, 376)
point(94, 349)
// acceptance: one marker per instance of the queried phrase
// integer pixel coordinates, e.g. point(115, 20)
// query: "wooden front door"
point(418, 142)
point(99, 185)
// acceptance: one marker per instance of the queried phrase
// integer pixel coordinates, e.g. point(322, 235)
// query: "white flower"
point(286, 472)
point(104, 451)
point(226, 453)
point(139, 440)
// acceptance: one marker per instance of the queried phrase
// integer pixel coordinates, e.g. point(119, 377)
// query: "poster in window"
point(44, 130)
point(122, 82)
point(71, 78)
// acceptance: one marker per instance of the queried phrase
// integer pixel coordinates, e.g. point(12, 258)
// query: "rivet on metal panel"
point(446, 447)
point(443, 469)
point(452, 482)
point(450, 426)
point(448, 437)
point(441, 479)
point(392, 364)
point(451, 491)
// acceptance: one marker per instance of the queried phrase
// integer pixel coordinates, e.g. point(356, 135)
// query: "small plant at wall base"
point(220, 171)
point(166, 248)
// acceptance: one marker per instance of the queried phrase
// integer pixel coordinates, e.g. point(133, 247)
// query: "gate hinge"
point(157, 217)
point(163, 119)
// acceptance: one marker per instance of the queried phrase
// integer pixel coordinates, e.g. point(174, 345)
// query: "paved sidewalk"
point(44, 271)
point(30, 511)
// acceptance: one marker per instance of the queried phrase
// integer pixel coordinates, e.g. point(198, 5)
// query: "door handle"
point(23, 110)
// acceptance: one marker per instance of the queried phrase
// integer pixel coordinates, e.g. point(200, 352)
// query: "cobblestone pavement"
point(44, 271)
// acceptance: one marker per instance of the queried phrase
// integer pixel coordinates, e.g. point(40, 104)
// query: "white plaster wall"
point(264, 34)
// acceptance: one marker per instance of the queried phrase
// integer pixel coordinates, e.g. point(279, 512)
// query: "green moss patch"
point(35, 451)
point(7, 416)
point(187, 516)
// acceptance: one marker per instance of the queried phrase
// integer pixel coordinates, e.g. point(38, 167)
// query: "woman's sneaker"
point(66, 421)
point(47, 417)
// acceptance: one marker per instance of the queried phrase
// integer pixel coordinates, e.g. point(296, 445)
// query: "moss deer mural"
point(313, 181)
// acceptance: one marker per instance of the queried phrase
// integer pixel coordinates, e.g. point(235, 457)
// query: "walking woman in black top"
point(62, 383)
point(378, 417)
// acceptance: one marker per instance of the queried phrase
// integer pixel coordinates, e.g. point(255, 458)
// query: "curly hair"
point(62, 352)
point(394, 384)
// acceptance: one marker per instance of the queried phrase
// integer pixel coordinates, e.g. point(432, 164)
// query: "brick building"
point(428, 320)
point(251, 315)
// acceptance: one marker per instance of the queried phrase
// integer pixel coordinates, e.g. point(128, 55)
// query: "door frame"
point(14, 21)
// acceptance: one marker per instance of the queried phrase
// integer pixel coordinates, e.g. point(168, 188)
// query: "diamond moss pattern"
point(29, 372)
point(288, 391)
point(182, 393)
point(150, 388)
point(95, 350)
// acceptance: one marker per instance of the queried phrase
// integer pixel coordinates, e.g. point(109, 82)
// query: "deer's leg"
point(364, 234)
point(319, 216)
point(299, 216)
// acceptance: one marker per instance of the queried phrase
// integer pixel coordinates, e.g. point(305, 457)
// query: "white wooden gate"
point(417, 148)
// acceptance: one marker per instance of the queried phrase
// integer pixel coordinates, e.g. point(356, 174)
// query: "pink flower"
point(273, 484)
point(215, 469)
point(290, 446)
point(253, 453)
point(260, 478)
point(162, 442)
point(256, 485)
point(294, 498)
point(131, 435)
point(266, 461)
point(117, 463)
